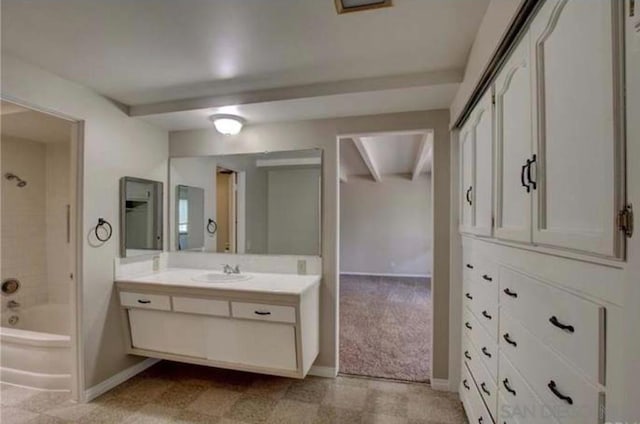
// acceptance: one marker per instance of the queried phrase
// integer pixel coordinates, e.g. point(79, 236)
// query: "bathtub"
point(37, 351)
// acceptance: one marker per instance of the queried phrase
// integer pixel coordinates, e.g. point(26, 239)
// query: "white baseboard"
point(328, 372)
point(440, 384)
point(378, 274)
point(111, 382)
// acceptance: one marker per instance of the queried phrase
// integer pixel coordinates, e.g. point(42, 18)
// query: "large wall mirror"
point(263, 203)
point(141, 217)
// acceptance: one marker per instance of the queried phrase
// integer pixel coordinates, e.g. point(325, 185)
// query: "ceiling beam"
point(361, 85)
point(425, 150)
point(365, 153)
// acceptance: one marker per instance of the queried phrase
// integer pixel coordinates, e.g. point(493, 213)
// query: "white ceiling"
point(31, 125)
point(142, 53)
point(389, 154)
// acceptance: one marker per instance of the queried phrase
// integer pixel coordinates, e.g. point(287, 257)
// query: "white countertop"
point(259, 282)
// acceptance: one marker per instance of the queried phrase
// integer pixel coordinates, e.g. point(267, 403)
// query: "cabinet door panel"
point(574, 48)
point(466, 180)
point(513, 145)
point(482, 126)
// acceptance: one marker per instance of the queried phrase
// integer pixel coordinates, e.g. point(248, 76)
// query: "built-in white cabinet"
point(555, 127)
point(476, 161)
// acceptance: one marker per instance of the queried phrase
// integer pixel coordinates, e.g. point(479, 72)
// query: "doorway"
point(227, 210)
point(386, 240)
point(41, 247)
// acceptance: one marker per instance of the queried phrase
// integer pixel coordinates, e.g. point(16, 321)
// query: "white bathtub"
point(37, 351)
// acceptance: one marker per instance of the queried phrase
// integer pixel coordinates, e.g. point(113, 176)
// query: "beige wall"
point(115, 145)
point(385, 227)
point(322, 134)
point(494, 24)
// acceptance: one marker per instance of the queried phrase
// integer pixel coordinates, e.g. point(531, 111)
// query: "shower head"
point(11, 177)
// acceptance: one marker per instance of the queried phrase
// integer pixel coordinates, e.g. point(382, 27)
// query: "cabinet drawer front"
point(195, 305)
point(260, 344)
point(473, 404)
point(516, 400)
point(487, 350)
point(487, 277)
point(168, 332)
point(485, 382)
point(263, 312)
point(145, 301)
point(486, 313)
point(554, 380)
point(544, 310)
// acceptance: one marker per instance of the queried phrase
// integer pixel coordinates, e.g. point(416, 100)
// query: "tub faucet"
point(12, 304)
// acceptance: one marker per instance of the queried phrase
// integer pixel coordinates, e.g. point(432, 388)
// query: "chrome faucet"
point(228, 269)
point(12, 304)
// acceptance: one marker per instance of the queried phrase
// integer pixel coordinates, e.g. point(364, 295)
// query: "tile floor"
point(178, 393)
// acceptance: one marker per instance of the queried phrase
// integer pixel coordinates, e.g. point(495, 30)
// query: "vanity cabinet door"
point(168, 332)
point(513, 146)
point(574, 47)
point(466, 180)
point(254, 343)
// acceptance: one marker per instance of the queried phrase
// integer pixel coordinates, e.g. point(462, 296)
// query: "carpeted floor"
point(385, 327)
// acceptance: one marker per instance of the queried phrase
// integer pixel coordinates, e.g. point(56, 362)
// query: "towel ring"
point(212, 227)
point(104, 224)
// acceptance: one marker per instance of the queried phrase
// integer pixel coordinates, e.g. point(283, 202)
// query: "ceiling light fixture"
point(227, 124)
point(344, 6)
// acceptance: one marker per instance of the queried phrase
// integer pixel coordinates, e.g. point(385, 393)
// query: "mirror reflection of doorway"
point(226, 209)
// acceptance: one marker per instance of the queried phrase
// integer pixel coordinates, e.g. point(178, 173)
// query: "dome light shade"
point(227, 124)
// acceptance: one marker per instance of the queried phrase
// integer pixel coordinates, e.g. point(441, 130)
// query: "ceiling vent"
point(345, 6)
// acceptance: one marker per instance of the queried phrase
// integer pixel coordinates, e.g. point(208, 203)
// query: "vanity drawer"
point(145, 301)
point(517, 403)
point(544, 310)
point(263, 312)
point(195, 305)
point(555, 382)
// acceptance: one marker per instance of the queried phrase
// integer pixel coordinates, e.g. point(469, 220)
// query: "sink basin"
point(216, 277)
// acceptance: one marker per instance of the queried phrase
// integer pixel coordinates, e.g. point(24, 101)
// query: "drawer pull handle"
point(486, 277)
point(486, 314)
point(466, 384)
point(553, 320)
point(144, 301)
point(466, 324)
point(469, 266)
point(507, 338)
point(507, 386)
point(483, 386)
point(262, 313)
point(486, 352)
point(554, 389)
point(466, 355)
point(510, 293)
point(468, 296)
point(480, 420)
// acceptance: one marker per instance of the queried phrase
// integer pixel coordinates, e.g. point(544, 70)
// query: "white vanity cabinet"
point(259, 331)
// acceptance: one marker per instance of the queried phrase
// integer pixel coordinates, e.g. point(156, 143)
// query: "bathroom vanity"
point(258, 322)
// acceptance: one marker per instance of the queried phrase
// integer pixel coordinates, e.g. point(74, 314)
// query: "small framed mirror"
point(140, 217)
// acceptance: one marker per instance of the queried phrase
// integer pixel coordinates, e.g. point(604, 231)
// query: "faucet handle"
point(236, 270)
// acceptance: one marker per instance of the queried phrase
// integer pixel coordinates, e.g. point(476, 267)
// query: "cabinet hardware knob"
point(486, 352)
point(262, 312)
point(507, 386)
point(483, 386)
point(465, 384)
point(486, 277)
point(144, 301)
point(534, 184)
point(466, 355)
point(466, 324)
point(508, 292)
point(507, 338)
point(554, 389)
point(469, 266)
point(468, 296)
point(480, 420)
point(553, 320)
point(486, 314)
point(522, 181)
point(468, 194)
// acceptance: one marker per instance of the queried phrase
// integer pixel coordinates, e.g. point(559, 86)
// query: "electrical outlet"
point(302, 267)
point(156, 263)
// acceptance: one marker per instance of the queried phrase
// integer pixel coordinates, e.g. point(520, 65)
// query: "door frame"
point(76, 231)
point(338, 181)
point(239, 207)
